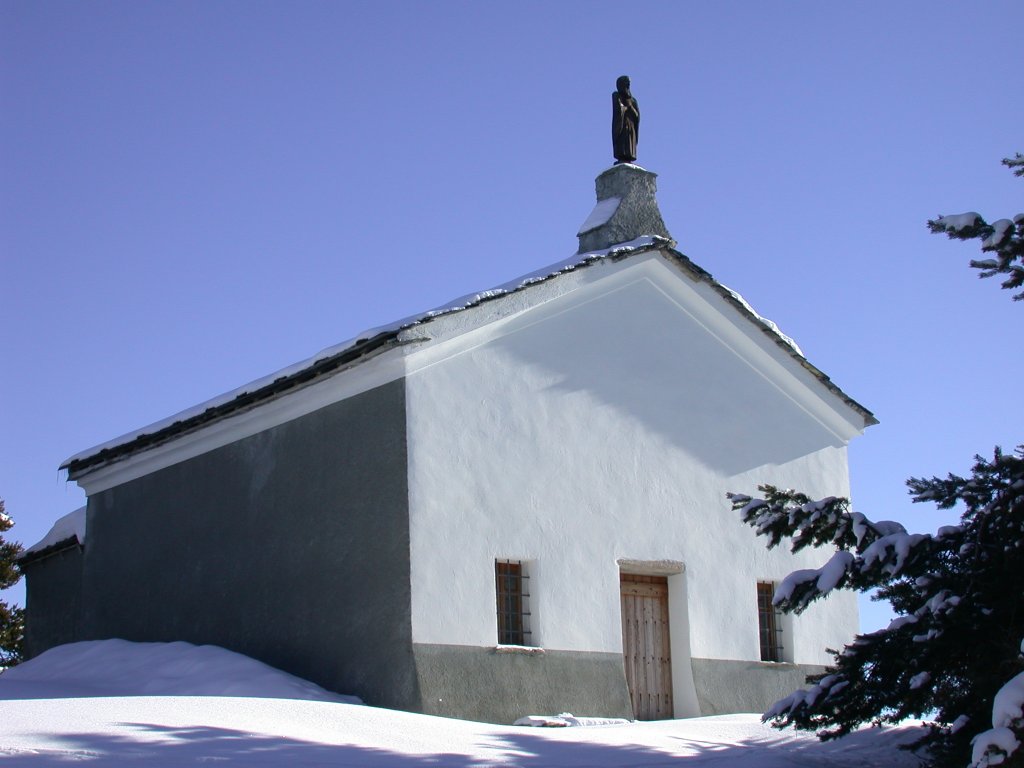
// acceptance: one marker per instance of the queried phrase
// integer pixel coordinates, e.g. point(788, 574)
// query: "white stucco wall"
point(608, 423)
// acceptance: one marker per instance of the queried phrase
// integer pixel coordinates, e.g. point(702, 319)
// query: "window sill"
point(525, 650)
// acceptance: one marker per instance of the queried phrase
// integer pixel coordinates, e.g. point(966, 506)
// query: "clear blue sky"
point(195, 194)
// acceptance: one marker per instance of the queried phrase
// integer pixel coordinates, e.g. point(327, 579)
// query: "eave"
point(245, 400)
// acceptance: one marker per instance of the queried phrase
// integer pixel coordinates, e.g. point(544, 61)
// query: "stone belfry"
point(626, 204)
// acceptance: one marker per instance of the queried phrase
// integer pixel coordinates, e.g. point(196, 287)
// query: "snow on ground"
point(93, 704)
point(121, 668)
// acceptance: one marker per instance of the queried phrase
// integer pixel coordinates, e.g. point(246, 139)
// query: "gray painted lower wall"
point(475, 683)
point(53, 600)
point(290, 546)
point(483, 683)
point(479, 683)
point(726, 686)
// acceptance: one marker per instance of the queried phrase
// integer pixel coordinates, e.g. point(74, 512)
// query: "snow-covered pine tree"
point(955, 651)
point(1004, 238)
point(12, 618)
point(956, 640)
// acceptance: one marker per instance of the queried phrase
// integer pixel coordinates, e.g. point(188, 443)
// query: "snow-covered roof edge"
point(325, 361)
point(66, 531)
point(376, 340)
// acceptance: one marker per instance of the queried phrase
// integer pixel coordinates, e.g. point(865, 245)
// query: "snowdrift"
point(164, 705)
point(121, 668)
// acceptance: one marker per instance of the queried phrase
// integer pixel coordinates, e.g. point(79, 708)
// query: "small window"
point(512, 587)
point(768, 623)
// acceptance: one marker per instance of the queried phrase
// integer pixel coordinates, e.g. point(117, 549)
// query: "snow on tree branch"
point(1003, 238)
point(869, 552)
point(957, 594)
point(12, 618)
point(993, 746)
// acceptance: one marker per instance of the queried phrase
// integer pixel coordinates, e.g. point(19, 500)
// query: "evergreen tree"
point(12, 618)
point(955, 651)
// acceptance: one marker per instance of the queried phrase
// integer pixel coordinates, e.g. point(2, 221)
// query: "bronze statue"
point(625, 122)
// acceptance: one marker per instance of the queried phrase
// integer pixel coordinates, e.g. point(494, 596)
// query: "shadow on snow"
point(177, 746)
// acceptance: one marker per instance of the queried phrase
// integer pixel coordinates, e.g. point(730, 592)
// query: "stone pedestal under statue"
point(626, 209)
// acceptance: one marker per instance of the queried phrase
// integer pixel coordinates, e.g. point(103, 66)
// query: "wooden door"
point(645, 645)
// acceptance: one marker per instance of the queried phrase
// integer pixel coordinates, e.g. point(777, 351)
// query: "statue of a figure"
point(625, 122)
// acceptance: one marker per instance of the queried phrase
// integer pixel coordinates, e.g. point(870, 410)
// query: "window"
point(768, 624)
point(512, 587)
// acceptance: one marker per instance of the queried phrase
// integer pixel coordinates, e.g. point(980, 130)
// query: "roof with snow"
point(66, 532)
point(372, 342)
point(625, 223)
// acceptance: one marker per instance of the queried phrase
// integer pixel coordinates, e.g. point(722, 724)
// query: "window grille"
point(768, 623)
point(513, 593)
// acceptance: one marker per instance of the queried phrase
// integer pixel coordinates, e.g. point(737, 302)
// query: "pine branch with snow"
point(1003, 238)
point(12, 618)
point(956, 640)
point(1016, 163)
point(868, 553)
